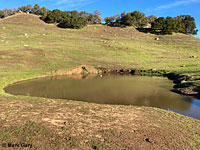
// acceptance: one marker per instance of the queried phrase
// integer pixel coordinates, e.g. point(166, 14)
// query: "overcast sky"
point(111, 7)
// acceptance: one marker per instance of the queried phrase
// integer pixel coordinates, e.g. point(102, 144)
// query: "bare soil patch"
point(77, 125)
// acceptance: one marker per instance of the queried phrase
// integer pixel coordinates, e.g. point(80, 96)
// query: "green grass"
point(30, 48)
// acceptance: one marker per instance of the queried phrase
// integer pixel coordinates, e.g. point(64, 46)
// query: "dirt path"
point(59, 124)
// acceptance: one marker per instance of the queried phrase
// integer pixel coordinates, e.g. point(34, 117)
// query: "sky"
point(160, 8)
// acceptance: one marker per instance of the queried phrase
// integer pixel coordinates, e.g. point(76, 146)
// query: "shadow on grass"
point(150, 30)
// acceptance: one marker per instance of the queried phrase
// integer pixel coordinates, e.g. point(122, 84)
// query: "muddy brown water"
point(111, 89)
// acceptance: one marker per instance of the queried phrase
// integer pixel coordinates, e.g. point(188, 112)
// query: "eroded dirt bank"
point(184, 84)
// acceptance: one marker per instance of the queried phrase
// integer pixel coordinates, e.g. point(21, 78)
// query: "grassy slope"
point(47, 47)
point(30, 48)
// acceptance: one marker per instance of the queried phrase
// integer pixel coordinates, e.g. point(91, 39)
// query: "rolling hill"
point(30, 48)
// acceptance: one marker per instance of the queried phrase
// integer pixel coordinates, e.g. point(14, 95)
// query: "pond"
point(111, 89)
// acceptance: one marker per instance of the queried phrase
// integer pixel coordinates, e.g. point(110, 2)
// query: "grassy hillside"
point(31, 48)
point(25, 37)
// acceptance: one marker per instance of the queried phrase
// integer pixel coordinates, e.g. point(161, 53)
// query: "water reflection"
point(193, 111)
point(113, 89)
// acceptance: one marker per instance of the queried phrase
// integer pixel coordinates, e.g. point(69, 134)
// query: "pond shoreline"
point(180, 80)
point(85, 116)
point(181, 85)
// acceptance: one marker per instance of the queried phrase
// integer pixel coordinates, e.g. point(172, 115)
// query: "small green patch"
point(112, 118)
point(64, 128)
point(84, 110)
point(3, 57)
point(69, 105)
point(97, 147)
point(71, 141)
point(97, 108)
point(100, 118)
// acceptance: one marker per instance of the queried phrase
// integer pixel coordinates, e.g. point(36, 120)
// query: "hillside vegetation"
point(30, 45)
point(31, 48)
point(26, 35)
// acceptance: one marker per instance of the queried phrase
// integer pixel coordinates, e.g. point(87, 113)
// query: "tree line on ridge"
point(73, 19)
